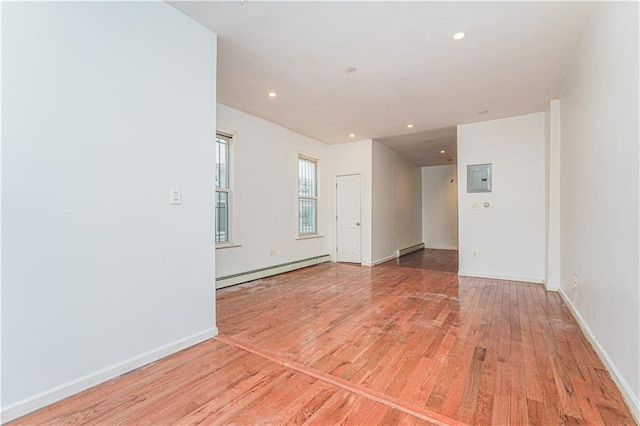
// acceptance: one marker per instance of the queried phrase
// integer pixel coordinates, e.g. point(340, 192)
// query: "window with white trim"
point(223, 189)
point(307, 196)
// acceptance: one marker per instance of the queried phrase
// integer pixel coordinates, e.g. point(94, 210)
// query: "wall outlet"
point(575, 280)
point(474, 253)
point(272, 252)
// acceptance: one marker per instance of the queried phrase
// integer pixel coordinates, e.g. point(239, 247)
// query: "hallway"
point(429, 259)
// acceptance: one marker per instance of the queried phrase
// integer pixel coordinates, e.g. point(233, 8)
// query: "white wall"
point(599, 189)
point(396, 203)
point(105, 106)
point(345, 159)
point(265, 194)
point(509, 236)
point(440, 207)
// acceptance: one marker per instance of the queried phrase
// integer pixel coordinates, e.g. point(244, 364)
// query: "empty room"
point(254, 212)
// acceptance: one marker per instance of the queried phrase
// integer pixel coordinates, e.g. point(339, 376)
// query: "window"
point(223, 190)
point(307, 196)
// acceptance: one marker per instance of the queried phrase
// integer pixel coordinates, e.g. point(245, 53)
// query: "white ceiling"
point(513, 61)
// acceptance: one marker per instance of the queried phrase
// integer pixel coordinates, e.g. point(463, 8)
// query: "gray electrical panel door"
point(479, 178)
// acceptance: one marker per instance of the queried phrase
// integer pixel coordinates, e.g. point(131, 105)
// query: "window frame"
point(315, 197)
point(227, 189)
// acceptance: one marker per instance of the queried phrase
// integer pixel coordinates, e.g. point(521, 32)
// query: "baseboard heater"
point(410, 249)
point(244, 277)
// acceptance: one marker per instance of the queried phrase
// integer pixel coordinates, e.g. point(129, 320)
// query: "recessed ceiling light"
point(442, 152)
point(410, 126)
point(458, 36)
point(352, 135)
point(272, 94)
point(483, 111)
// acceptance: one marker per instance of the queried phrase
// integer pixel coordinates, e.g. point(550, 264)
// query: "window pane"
point(222, 216)
point(307, 221)
point(307, 178)
point(222, 158)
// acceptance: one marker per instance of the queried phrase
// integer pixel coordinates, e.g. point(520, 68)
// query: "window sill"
point(309, 237)
point(227, 245)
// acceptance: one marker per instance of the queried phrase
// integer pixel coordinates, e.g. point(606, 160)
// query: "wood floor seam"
point(363, 391)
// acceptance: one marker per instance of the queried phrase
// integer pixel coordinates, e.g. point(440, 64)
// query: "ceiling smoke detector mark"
point(484, 111)
point(351, 70)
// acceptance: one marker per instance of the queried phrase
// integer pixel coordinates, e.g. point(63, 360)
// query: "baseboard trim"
point(32, 403)
point(269, 271)
point(441, 247)
point(501, 277)
point(410, 249)
point(384, 259)
point(632, 401)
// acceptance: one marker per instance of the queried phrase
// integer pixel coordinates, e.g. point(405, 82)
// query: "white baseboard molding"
point(398, 253)
point(436, 247)
point(410, 249)
point(27, 405)
point(269, 271)
point(633, 402)
point(384, 259)
point(501, 277)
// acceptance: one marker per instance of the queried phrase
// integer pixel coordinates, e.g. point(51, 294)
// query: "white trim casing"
point(315, 197)
point(228, 190)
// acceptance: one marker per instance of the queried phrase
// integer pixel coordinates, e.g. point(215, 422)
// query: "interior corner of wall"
point(551, 285)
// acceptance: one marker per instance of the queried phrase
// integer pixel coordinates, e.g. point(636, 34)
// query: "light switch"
point(175, 196)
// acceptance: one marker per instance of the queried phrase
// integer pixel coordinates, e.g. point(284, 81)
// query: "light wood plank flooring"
point(345, 344)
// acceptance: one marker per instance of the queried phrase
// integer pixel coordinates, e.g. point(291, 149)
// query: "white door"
point(349, 229)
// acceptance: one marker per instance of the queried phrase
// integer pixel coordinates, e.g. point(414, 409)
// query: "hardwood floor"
point(431, 259)
point(216, 383)
point(345, 344)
